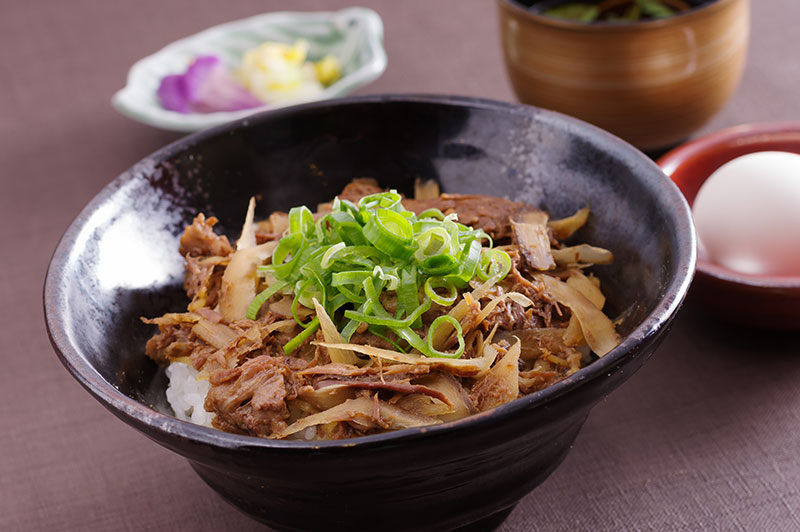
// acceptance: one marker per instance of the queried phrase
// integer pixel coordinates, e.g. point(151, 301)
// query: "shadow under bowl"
point(118, 261)
point(755, 300)
point(651, 83)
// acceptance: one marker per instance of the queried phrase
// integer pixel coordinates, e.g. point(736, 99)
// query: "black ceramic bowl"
point(118, 261)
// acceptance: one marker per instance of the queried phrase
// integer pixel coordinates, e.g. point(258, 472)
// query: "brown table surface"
point(705, 437)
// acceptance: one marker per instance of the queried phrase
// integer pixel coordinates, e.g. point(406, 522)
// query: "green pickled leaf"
point(634, 12)
point(655, 9)
point(631, 14)
point(577, 11)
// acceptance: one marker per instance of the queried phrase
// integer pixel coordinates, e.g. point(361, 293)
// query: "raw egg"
point(747, 214)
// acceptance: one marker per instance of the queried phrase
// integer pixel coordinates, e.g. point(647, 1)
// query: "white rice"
point(310, 433)
point(186, 394)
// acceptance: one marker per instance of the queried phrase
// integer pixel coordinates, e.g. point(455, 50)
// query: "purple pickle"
point(206, 87)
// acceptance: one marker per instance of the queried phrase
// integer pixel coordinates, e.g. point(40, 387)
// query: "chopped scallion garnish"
point(351, 257)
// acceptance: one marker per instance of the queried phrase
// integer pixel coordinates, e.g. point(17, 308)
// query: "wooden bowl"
point(652, 82)
point(754, 300)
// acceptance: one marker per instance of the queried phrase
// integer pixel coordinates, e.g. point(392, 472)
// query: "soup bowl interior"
point(118, 261)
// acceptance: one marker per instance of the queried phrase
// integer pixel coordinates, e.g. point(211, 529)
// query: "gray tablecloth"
point(705, 437)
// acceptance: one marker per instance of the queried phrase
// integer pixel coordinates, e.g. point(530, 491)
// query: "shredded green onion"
point(433, 352)
point(350, 257)
point(440, 264)
point(261, 298)
point(432, 283)
point(391, 233)
point(433, 241)
point(327, 257)
point(493, 262)
point(470, 256)
point(295, 342)
point(300, 220)
point(385, 321)
point(350, 277)
point(431, 213)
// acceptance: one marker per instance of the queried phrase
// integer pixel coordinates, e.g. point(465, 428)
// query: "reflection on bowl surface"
point(652, 83)
point(755, 300)
point(434, 478)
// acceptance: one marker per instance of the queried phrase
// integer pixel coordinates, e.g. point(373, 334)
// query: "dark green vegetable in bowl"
point(619, 11)
point(576, 11)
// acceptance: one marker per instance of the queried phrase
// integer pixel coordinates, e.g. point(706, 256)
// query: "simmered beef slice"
point(199, 239)
point(485, 212)
point(491, 214)
point(203, 279)
point(360, 187)
point(171, 341)
point(543, 306)
point(251, 398)
point(272, 228)
point(508, 316)
point(174, 339)
point(367, 338)
point(500, 384)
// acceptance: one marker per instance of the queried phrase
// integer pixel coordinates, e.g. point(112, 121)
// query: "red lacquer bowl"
point(757, 300)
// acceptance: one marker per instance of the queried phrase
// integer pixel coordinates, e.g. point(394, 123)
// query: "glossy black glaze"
point(118, 261)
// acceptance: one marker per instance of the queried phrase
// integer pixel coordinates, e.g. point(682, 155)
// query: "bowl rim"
point(126, 101)
point(138, 413)
point(757, 135)
point(612, 27)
